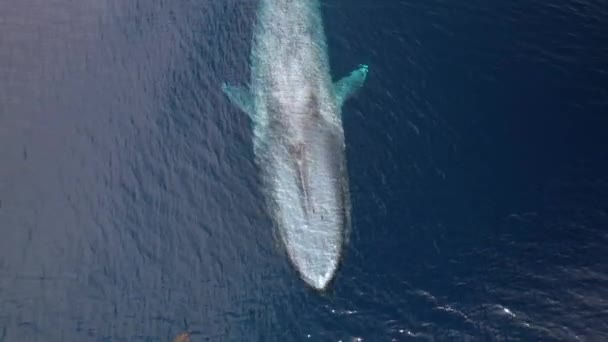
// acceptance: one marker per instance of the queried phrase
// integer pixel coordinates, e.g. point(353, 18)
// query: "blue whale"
point(299, 147)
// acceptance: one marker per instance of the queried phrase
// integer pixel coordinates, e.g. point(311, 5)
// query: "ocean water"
point(131, 209)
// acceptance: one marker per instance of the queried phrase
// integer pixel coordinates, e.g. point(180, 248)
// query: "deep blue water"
point(130, 207)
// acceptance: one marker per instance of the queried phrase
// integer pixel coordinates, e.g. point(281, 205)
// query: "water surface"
point(130, 206)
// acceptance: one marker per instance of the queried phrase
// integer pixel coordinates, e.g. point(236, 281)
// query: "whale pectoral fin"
point(240, 97)
point(348, 86)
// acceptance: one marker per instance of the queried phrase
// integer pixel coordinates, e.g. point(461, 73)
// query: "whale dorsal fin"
point(240, 97)
point(348, 86)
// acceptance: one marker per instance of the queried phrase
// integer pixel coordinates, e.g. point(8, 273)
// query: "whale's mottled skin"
point(298, 137)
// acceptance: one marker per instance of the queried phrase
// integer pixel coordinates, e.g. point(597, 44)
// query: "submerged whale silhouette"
point(298, 136)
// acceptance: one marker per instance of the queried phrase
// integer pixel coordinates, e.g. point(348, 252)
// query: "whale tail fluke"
point(240, 97)
point(349, 85)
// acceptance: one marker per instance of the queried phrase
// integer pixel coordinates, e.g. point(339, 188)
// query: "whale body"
point(298, 138)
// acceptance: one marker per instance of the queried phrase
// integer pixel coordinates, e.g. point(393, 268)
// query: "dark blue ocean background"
point(131, 209)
